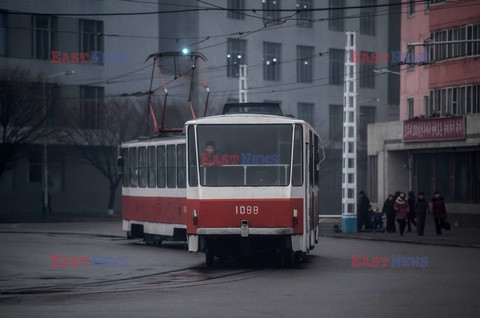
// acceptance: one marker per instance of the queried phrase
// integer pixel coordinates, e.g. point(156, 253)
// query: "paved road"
point(170, 282)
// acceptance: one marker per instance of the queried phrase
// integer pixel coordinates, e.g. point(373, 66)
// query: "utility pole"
point(349, 145)
point(242, 83)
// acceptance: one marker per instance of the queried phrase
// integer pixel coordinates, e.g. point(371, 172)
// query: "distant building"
point(436, 145)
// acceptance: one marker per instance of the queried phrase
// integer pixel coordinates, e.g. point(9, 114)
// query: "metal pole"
point(349, 152)
point(46, 208)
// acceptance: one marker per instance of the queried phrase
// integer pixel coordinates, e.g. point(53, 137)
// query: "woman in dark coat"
point(439, 211)
point(389, 213)
point(402, 209)
point(421, 209)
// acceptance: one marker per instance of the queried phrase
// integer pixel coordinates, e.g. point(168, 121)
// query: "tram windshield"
point(244, 155)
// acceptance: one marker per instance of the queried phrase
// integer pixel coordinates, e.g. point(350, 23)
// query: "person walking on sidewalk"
point(363, 206)
point(411, 214)
point(439, 212)
point(421, 209)
point(390, 214)
point(402, 209)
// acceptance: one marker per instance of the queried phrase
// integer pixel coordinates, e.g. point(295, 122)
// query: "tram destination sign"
point(435, 129)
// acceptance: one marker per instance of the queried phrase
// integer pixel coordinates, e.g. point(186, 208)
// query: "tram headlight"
point(295, 216)
point(195, 217)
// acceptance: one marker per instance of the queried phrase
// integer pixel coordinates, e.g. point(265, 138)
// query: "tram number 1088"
point(246, 209)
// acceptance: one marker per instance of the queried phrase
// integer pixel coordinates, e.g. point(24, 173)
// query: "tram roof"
point(149, 139)
point(246, 119)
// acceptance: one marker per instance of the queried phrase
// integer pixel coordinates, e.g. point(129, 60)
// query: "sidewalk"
point(458, 236)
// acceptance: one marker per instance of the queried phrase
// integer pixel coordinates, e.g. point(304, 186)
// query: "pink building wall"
point(414, 82)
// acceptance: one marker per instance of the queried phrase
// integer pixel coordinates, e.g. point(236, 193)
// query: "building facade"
point(436, 145)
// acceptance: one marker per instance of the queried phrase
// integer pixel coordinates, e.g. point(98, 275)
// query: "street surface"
point(168, 281)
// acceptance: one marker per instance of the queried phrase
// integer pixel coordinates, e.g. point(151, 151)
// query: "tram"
point(232, 184)
point(257, 189)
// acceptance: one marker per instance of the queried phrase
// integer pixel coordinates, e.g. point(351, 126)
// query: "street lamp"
point(46, 207)
point(383, 71)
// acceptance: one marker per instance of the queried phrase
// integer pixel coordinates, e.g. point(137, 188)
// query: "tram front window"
point(244, 155)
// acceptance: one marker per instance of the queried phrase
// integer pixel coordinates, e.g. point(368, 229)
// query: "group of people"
point(406, 211)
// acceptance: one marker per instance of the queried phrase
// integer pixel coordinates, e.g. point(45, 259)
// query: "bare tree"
point(118, 121)
point(22, 112)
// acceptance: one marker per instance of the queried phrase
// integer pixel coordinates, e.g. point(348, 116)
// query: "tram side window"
point(161, 167)
point(297, 177)
point(132, 161)
point(181, 169)
point(125, 170)
point(151, 163)
point(142, 167)
point(171, 167)
point(192, 158)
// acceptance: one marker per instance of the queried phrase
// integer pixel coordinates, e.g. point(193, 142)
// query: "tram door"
point(309, 188)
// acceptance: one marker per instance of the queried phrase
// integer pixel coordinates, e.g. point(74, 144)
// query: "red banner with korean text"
point(435, 129)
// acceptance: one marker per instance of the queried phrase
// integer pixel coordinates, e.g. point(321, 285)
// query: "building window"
point(335, 123)
point(235, 9)
point(367, 117)
point(305, 15)
point(336, 66)
point(366, 76)
point(269, 13)
point(236, 55)
point(304, 64)
point(458, 100)
point(43, 36)
point(367, 17)
point(468, 33)
point(336, 16)
point(426, 7)
point(426, 106)
point(91, 36)
point(411, 7)
point(91, 99)
point(410, 108)
point(305, 112)
point(271, 61)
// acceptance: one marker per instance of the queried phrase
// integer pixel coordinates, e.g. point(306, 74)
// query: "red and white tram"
point(258, 189)
point(237, 183)
point(154, 188)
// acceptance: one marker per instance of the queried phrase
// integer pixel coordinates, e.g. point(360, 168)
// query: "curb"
point(402, 241)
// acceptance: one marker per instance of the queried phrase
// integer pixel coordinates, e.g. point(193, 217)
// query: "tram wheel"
point(209, 258)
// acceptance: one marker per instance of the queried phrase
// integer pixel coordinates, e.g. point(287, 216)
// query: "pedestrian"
point(390, 214)
point(377, 220)
point(362, 211)
point(421, 210)
point(401, 207)
point(411, 214)
point(439, 213)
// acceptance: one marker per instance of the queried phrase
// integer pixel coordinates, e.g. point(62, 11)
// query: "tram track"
point(196, 275)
